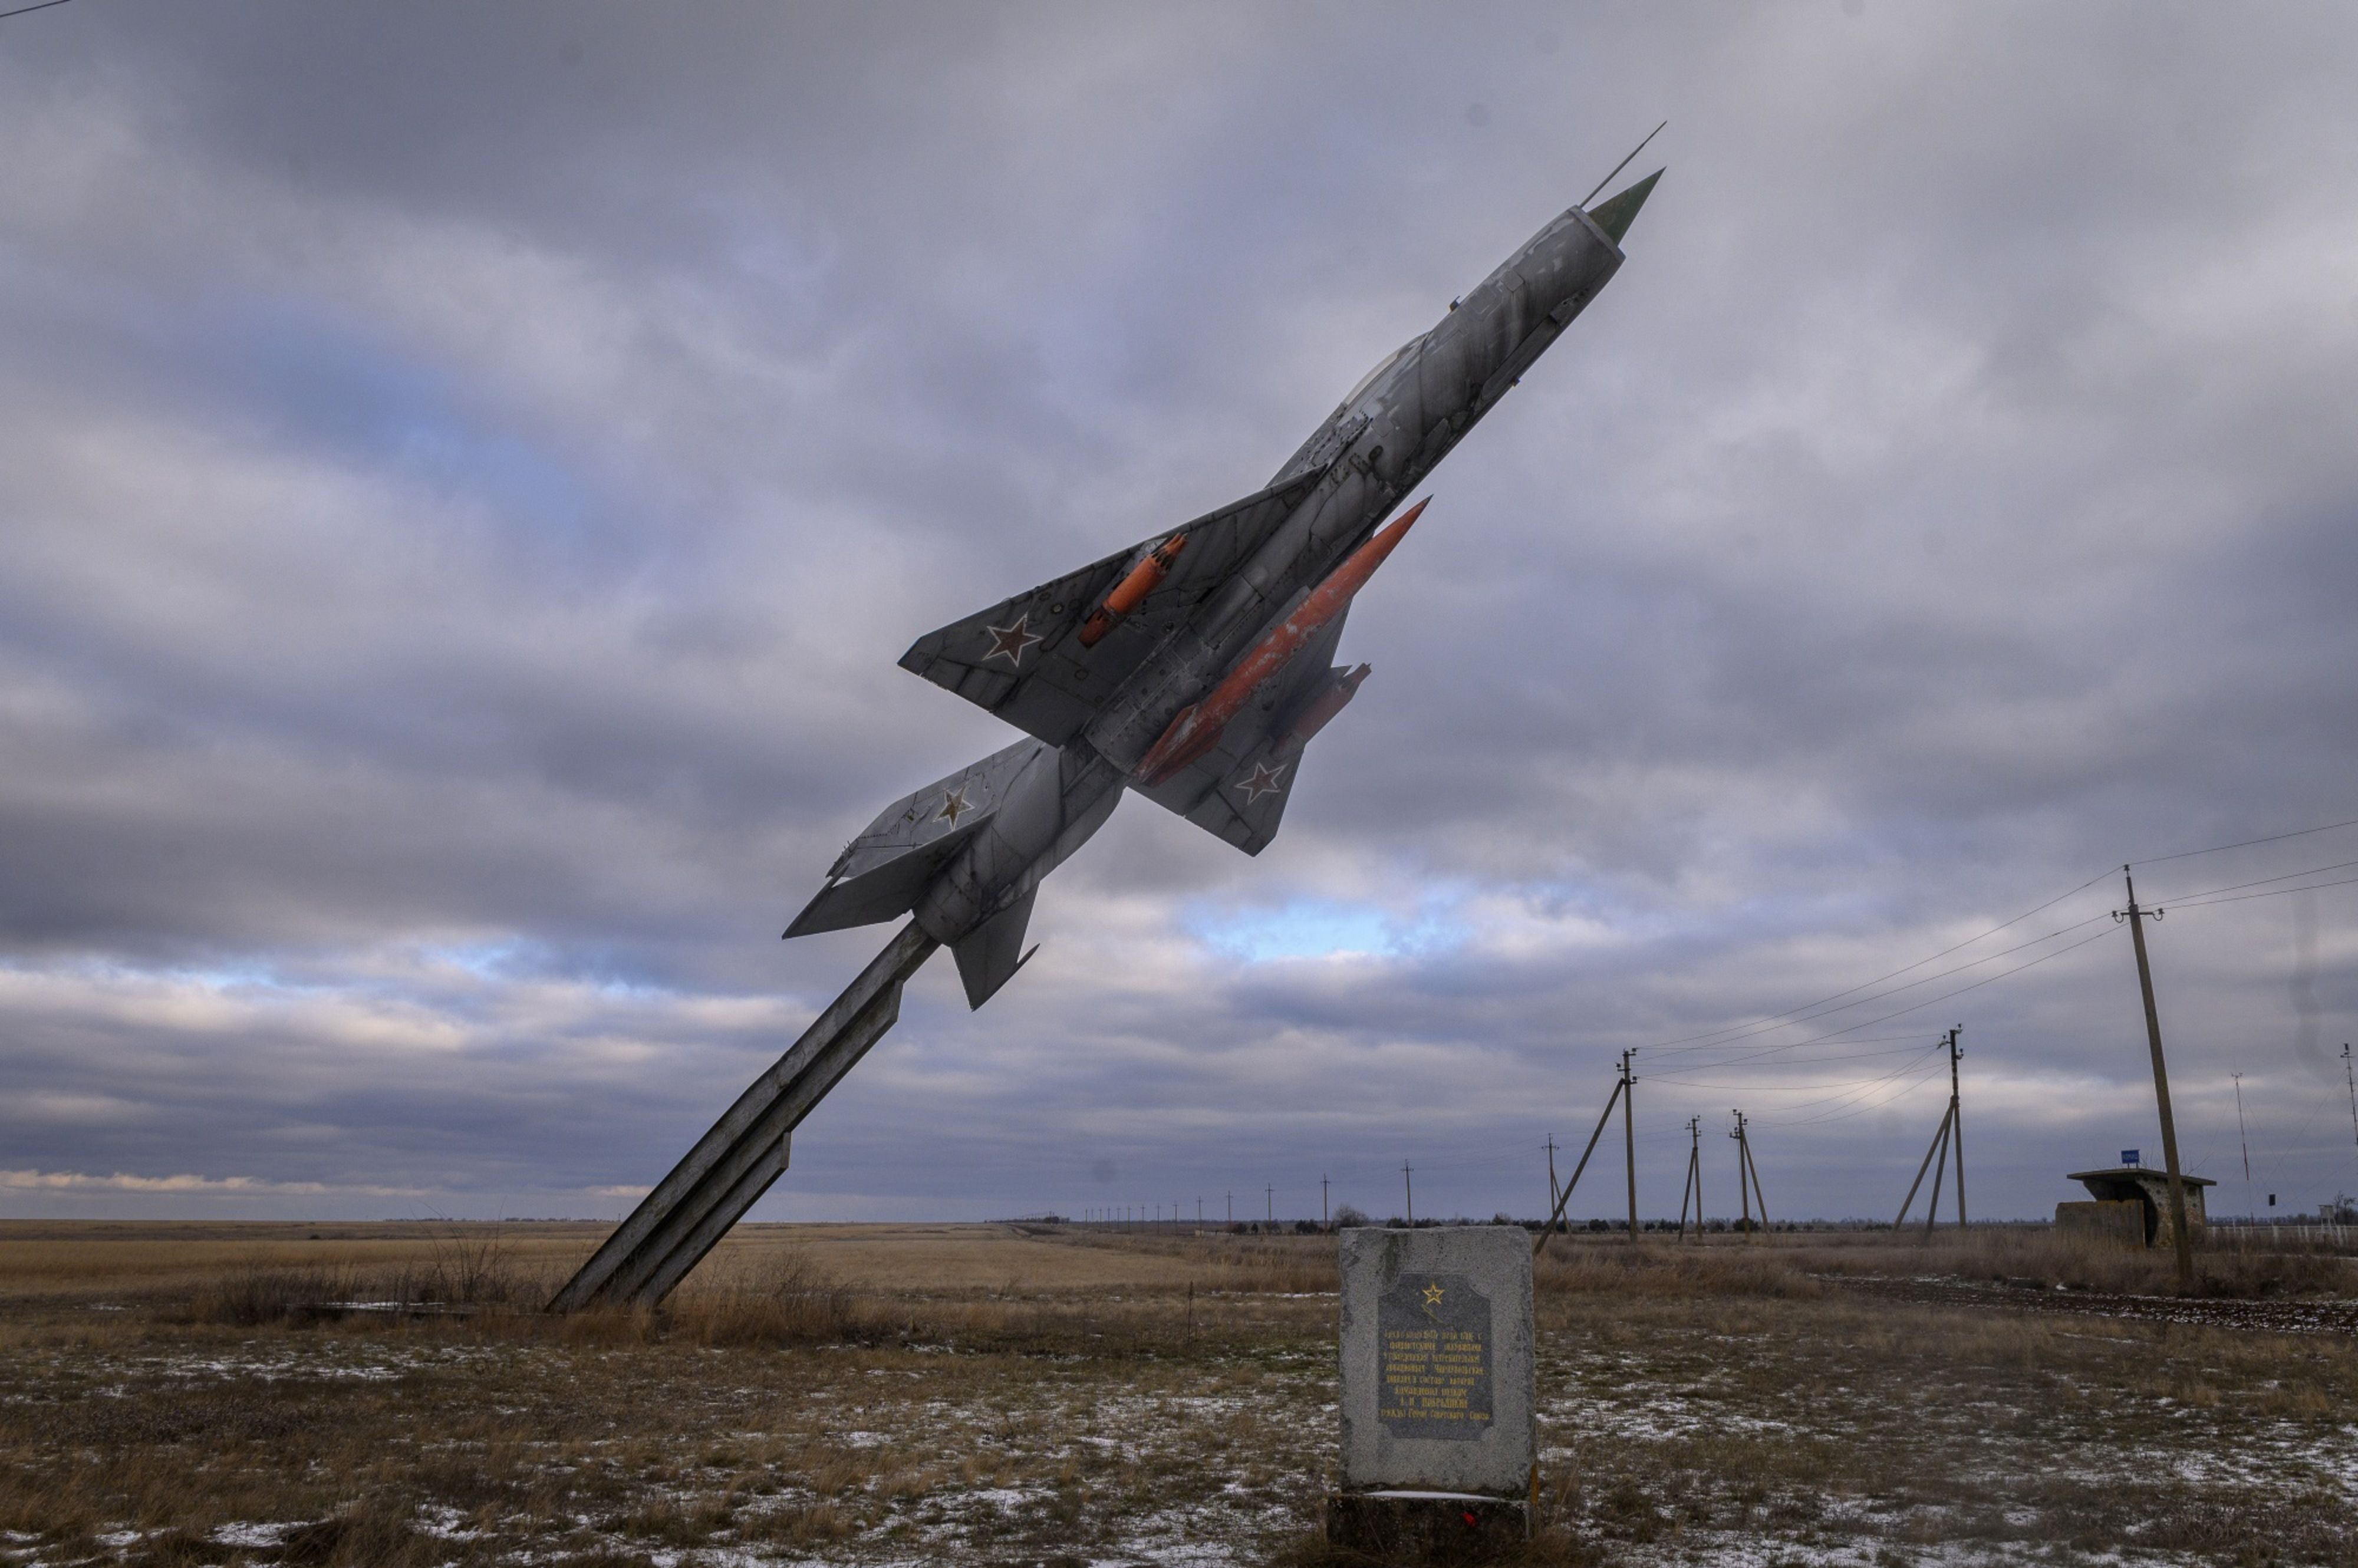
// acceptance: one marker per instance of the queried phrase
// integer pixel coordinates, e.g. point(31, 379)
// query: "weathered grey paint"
point(734, 1162)
point(1103, 705)
point(964, 856)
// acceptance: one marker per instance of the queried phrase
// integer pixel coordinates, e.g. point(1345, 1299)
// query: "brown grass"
point(983, 1394)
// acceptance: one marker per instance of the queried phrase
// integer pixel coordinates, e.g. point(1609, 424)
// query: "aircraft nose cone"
point(1615, 213)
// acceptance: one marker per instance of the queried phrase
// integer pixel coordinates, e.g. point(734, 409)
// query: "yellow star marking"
point(1432, 1294)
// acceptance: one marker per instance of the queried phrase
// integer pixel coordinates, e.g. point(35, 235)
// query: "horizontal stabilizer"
point(1024, 658)
point(885, 871)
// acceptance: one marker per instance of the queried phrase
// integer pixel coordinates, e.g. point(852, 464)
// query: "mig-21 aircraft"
point(1192, 668)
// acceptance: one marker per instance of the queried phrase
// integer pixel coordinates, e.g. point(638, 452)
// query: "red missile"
point(1198, 727)
point(1330, 702)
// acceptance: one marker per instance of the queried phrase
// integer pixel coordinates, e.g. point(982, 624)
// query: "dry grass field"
point(389, 1394)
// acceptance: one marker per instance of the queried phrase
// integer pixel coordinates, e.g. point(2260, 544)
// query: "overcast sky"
point(467, 473)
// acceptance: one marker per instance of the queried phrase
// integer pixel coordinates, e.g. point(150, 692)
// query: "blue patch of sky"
point(508, 960)
point(1321, 928)
point(484, 960)
point(251, 974)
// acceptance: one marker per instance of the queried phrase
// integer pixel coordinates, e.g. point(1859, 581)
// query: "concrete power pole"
point(2352, 1082)
point(1408, 1184)
point(1693, 1184)
point(1564, 1196)
point(1743, 1188)
point(1957, 1124)
point(1271, 1192)
point(2184, 1242)
point(1629, 1138)
point(2244, 1141)
point(1323, 1221)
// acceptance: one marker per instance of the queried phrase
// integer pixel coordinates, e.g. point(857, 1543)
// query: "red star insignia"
point(1261, 781)
point(953, 804)
point(1010, 641)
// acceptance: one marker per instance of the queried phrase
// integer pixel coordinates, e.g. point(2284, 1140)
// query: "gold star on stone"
point(1432, 1294)
point(953, 804)
point(1009, 641)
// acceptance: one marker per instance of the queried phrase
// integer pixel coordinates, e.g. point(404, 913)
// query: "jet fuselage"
point(1108, 668)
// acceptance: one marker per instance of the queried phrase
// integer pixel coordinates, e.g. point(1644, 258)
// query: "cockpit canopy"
point(1382, 365)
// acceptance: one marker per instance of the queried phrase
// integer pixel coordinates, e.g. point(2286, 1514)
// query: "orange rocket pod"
point(1331, 701)
point(1131, 590)
point(1197, 728)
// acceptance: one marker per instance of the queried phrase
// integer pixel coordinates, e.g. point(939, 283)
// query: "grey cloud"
point(465, 478)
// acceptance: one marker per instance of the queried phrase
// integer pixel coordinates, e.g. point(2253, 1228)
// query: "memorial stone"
point(1436, 1375)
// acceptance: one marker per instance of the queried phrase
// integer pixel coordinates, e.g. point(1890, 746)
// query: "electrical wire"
point(2245, 844)
point(2262, 881)
point(1820, 1008)
point(1916, 1040)
point(1747, 1031)
point(1810, 1006)
point(1926, 1072)
point(2273, 893)
point(1778, 1089)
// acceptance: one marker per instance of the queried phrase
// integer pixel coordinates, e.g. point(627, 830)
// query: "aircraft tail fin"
point(989, 956)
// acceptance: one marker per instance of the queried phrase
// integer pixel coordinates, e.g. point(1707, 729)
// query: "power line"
point(1977, 985)
point(2245, 844)
point(20, 10)
point(1910, 1072)
point(2262, 881)
point(1806, 1015)
point(1928, 979)
point(1803, 1013)
point(1914, 1042)
point(1809, 1005)
point(2247, 898)
point(1923, 1072)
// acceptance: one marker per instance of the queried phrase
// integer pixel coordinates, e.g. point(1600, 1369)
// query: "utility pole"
point(1564, 1196)
point(1232, 1208)
point(1743, 1192)
point(1956, 1124)
point(1629, 1138)
point(2243, 1139)
point(2352, 1082)
point(1744, 1146)
point(1407, 1183)
point(1935, 1155)
point(1199, 1214)
point(1947, 1142)
point(2185, 1243)
point(1323, 1220)
point(1272, 1203)
point(1551, 1153)
point(1693, 1182)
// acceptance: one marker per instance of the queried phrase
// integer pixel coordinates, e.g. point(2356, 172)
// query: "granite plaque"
point(1437, 1382)
point(1433, 1354)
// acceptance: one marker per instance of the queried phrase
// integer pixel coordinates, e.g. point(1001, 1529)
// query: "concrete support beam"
point(733, 1164)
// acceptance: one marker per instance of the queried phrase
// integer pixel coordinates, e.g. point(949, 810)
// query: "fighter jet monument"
point(1190, 669)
